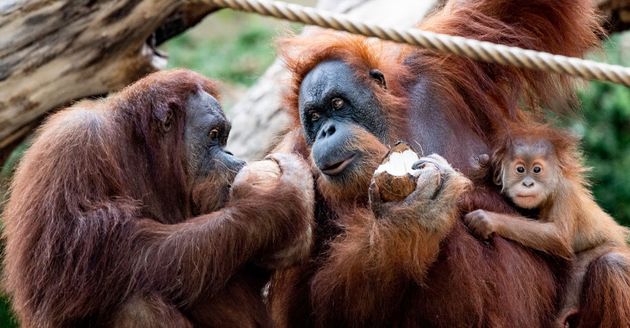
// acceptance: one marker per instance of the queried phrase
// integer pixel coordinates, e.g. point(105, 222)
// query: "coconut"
point(394, 177)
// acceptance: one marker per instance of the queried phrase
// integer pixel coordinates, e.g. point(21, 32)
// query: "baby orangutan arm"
point(550, 237)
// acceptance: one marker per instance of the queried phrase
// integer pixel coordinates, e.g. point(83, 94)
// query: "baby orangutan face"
point(530, 174)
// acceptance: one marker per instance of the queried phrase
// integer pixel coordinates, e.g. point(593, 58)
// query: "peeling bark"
point(55, 52)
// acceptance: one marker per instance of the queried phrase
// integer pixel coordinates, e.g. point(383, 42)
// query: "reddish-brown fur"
point(487, 96)
point(605, 297)
point(359, 53)
point(581, 223)
point(101, 224)
point(569, 222)
point(371, 272)
point(565, 148)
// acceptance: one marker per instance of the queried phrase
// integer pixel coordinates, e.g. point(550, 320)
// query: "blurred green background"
point(604, 126)
point(236, 48)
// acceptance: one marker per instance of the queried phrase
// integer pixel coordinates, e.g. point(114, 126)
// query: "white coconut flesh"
point(399, 163)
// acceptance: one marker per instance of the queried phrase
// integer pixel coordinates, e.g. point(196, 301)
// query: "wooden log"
point(53, 52)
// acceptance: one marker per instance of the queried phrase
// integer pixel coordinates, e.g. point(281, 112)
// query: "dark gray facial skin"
point(205, 152)
point(333, 102)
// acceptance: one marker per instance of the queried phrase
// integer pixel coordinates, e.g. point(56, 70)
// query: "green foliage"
point(606, 140)
point(6, 318)
point(6, 172)
point(231, 47)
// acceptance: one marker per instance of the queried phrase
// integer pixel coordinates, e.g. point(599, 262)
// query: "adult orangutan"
point(121, 214)
point(412, 263)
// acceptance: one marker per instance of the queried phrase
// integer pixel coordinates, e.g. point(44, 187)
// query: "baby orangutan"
point(539, 169)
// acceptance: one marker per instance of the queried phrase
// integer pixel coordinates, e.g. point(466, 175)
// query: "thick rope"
point(478, 50)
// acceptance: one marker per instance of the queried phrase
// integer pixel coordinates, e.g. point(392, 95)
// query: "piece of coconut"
point(394, 177)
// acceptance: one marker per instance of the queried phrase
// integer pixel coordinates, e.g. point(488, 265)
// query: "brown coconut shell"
point(395, 187)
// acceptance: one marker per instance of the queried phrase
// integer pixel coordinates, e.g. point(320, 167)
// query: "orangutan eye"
point(337, 103)
point(537, 169)
point(214, 134)
point(520, 169)
point(314, 117)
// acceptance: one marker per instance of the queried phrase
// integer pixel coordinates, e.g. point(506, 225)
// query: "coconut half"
point(394, 177)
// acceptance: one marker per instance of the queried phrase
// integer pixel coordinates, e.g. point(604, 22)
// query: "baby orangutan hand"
point(481, 223)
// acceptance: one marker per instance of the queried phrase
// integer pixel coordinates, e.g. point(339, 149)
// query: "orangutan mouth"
point(337, 168)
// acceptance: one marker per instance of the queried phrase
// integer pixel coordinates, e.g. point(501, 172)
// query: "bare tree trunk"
point(55, 51)
point(259, 118)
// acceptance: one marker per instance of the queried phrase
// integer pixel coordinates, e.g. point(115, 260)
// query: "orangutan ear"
point(167, 122)
point(378, 77)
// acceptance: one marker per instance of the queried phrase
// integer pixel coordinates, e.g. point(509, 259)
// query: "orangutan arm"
point(551, 237)
point(411, 230)
point(201, 254)
point(400, 238)
point(389, 246)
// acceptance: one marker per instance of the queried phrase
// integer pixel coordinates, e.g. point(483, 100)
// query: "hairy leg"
point(571, 300)
point(239, 304)
point(605, 296)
